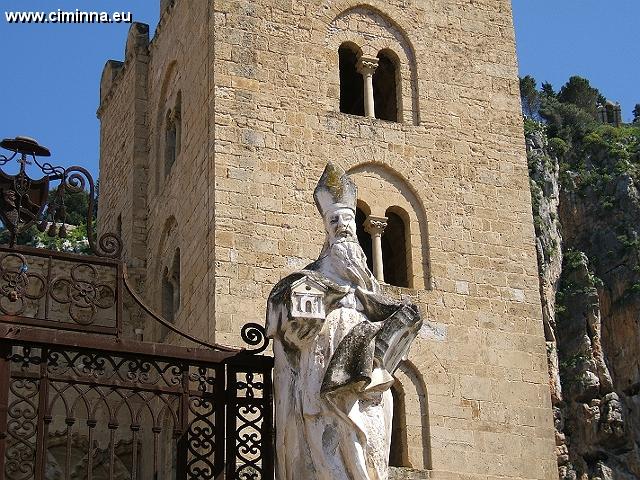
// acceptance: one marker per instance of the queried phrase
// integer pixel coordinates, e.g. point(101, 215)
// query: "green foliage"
point(537, 223)
point(577, 91)
point(616, 149)
point(529, 96)
point(550, 251)
point(75, 242)
point(608, 202)
point(531, 126)
point(558, 147)
point(618, 142)
point(76, 207)
point(25, 238)
point(547, 90)
point(572, 362)
point(573, 259)
point(571, 370)
point(628, 244)
point(636, 113)
point(536, 196)
point(567, 121)
point(633, 289)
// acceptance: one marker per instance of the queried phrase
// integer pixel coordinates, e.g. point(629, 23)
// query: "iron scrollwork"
point(202, 439)
point(25, 201)
point(84, 294)
point(21, 429)
point(255, 335)
point(17, 283)
point(251, 428)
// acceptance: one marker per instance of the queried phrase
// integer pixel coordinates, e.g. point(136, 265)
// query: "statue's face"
point(341, 225)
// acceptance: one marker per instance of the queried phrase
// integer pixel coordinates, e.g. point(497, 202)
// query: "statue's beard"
point(346, 258)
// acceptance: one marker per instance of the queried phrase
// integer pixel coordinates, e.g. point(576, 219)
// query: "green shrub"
point(558, 147)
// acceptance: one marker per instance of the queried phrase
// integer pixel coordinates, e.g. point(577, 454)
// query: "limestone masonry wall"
point(259, 86)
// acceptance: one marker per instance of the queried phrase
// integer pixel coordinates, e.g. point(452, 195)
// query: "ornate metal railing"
point(80, 397)
point(75, 412)
point(25, 201)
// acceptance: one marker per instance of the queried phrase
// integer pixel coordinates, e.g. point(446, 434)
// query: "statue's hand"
point(375, 306)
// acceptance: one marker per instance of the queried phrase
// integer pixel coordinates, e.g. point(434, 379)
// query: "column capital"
point(375, 226)
point(367, 65)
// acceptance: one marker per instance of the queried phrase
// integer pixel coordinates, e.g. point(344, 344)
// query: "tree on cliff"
point(529, 96)
point(577, 91)
point(636, 113)
point(571, 113)
point(547, 90)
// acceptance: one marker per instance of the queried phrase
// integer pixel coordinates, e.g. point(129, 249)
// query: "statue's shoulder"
point(281, 288)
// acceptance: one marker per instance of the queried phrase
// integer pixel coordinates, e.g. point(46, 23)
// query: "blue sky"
point(49, 86)
point(596, 39)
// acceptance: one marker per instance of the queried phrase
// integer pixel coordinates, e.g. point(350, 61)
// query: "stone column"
point(366, 66)
point(375, 226)
point(617, 115)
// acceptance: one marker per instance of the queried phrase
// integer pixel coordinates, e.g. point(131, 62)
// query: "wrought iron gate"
point(79, 398)
point(70, 411)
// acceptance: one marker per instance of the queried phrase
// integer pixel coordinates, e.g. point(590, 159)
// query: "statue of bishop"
point(337, 341)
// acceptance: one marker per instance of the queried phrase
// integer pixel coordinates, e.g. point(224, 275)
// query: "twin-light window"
point(369, 85)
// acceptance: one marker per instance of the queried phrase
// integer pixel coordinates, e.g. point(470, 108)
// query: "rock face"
point(587, 220)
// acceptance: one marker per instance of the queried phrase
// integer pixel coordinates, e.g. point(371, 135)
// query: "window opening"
point(170, 293)
point(398, 453)
point(170, 143)
point(364, 239)
point(351, 84)
point(385, 95)
point(167, 297)
point(394, 251)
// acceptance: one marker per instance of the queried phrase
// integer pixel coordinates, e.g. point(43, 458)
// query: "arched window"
point(398, 453)
point(382, 190)
point(351, 84)
point(170, 293)
point(169, 143)
point(364, 239)
point(167, 297)
point(173, 134)
point(385, 87)
point(394, 250)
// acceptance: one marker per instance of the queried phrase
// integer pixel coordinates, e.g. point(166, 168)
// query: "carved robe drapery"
point(333, 400)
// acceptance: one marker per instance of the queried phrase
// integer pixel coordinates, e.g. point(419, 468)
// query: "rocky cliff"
point(586, 207)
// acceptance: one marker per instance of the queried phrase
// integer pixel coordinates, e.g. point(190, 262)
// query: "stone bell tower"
point(215, 131)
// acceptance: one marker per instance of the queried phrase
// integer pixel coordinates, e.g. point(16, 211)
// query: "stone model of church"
point(307, 299)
